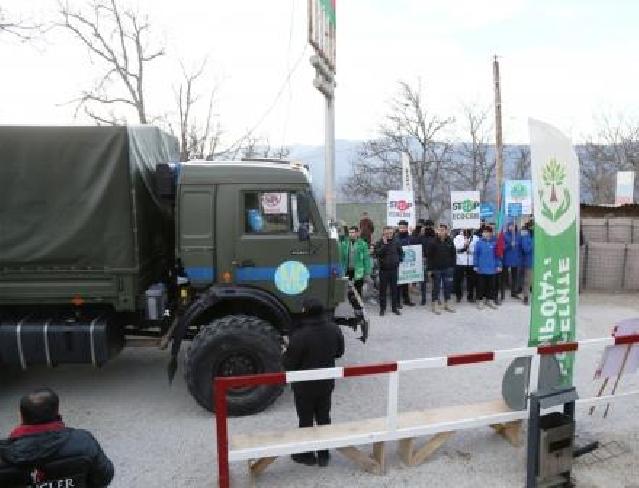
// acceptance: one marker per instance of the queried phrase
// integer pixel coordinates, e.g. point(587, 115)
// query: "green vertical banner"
point(555, 183)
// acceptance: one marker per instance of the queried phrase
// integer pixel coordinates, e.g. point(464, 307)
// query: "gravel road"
point(158, 437)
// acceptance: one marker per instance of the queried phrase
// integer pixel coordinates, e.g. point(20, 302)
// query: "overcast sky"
point(561, 62)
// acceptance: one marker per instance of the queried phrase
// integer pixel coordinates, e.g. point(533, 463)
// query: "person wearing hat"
point(315, 343)
point(487, 266)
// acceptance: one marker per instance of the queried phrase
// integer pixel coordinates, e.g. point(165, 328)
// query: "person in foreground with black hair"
point(43, 449)
point(316, 343)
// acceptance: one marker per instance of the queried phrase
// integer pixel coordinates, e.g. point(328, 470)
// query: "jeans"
point(442, 277)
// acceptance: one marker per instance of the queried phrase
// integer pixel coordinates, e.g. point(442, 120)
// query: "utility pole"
point(499, 146)
point(321, 35)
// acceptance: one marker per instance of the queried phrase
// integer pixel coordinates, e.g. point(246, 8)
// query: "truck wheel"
point(231, 346)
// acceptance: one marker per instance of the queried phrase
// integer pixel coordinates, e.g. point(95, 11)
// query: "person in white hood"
point(464, 243)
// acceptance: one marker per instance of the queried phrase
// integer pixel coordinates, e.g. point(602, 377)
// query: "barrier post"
point(219, 400)
point(391, 408)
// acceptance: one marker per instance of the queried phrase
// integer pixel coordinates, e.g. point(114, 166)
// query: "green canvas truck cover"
point(82, 197)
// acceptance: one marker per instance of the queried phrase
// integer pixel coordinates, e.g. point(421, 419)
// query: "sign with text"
point(625, 187)
point(519, 191)
point(464, 207)
point(275, 203)
point(401, 206)
point(411, 269)
point(555, 178)
point(514, 209)
point(486, 210)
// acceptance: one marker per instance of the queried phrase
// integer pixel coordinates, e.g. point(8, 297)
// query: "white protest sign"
point(614, 357)
point(400, 206)
point(465, 209)
point(625, 187)
point(519, 191)
point(275, 203)
point(411, 269)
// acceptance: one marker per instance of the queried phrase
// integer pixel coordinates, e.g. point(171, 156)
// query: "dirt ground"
point(158, 436)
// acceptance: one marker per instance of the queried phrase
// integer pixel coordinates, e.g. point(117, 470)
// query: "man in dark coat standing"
point(389, 254)
point(42, 443)
point(316, 343)
point(441, 262)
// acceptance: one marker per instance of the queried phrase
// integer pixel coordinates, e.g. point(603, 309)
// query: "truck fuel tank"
point(28, 340)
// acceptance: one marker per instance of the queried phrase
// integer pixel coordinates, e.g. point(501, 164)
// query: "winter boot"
point(492, 304)
point(449, 307)
point(480, 304)
point(435, 308)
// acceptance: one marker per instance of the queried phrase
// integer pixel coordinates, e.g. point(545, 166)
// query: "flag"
point(555, 180)
point(407, 174)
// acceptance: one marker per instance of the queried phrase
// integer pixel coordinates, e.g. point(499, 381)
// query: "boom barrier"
point(394, 427)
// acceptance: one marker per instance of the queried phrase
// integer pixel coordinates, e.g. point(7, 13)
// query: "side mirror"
point(303, 234)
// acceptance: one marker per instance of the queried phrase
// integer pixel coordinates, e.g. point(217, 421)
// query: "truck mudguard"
point(215, 296)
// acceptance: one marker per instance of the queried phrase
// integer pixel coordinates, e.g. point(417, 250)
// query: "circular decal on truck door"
point(291, 277)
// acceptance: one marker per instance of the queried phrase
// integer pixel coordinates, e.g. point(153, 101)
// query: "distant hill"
point(346, 152)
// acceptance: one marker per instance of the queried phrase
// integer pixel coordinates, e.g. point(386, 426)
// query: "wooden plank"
point(428, 449)
point(379, 455)
point(363, 460)
point(406, 450)
point(363, 427)
point(511, 431)
point(258, 467)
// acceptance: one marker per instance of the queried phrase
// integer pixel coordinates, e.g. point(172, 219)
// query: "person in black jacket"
point(316, 343)
point(441, 262)
point(42, 443)
point(389, 254)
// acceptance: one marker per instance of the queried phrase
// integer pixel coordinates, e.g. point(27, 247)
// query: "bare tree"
point(473, 167)
point(521, 168)
point(119, 39)
point(197, 140)
point(408, 127)
point(255, 147)
point(614, 148)
point(17, 27)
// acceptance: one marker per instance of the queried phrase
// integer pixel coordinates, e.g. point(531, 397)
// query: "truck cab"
point(256, 224)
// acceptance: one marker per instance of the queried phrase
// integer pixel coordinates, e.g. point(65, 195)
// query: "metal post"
point(329, 159)
point(532, 466)
point(499, 165)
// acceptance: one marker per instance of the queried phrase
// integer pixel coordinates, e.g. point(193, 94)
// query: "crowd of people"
point(471, 262)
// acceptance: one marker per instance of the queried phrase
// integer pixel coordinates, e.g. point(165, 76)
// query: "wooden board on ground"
point(363, 428)
point(406, 420)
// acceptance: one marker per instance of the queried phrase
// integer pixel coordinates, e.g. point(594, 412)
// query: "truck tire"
point(230, 346)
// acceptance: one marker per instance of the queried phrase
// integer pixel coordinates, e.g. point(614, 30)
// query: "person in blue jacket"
point(487, 265)
point(526, 259)
point(512, 260)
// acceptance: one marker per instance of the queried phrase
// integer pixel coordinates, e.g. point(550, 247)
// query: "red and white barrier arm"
point(222, 384)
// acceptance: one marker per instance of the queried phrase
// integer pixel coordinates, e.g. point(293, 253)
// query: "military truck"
point(107, 241)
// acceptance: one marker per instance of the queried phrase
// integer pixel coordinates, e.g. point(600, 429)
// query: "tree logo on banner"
point(554, 193)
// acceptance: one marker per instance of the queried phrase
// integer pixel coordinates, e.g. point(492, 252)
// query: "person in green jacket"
point(355, 258)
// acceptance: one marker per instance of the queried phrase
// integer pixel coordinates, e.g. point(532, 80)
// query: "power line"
point(275, 100)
